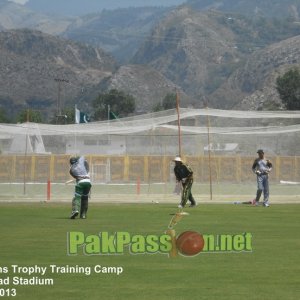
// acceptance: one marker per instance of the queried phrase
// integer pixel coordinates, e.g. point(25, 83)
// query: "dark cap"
point(260, 151)
point(73, 160)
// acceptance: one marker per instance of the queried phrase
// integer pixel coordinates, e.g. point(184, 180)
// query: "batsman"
point(79, 170)
point(184, 174)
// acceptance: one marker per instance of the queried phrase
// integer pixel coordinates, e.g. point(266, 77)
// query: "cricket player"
point(184, 174)
point(79, 170)
point(262, 167)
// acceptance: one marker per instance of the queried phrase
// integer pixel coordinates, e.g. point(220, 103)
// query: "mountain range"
point(229, 52)
point(253, 8)
point(36, 66)
point(199, 50)
point(81, 7)
point(43, 72)
point(120, 32)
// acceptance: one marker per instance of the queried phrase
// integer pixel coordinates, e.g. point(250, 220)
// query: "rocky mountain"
point(187, 47)
point(202, 51)
point(16, 16)
point(199, 50)
point(265, 8)
point(41, 71)
point(253, 86)
point(148, 86)
point(120, 32)
point(38, 70)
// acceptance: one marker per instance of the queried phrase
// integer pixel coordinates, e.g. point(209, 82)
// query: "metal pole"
point(108, 119)
point(178, 122)
point(209, 153)
point(25, 156)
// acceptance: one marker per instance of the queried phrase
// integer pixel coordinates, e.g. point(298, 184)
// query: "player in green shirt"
point(184, 174)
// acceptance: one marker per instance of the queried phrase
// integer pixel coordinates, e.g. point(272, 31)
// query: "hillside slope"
point(31, 62)
point(253, 86)
point(200, 50)
point(266, 8)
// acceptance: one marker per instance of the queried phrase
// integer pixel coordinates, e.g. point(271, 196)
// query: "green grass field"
point(36, 234)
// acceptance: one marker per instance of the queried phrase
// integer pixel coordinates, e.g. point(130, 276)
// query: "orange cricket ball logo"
point(190, 243)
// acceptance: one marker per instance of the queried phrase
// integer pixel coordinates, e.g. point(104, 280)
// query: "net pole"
point(108, 122)
point(48, 190)
point(25, 154)
point(178, 122)
point(150, 152)
point(209, 153)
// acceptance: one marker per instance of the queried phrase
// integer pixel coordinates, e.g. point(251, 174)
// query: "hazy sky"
point(19, 1)
point(24, 1)
point(79, 7)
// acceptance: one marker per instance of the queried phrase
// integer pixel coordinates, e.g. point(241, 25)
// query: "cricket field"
point(35, 262)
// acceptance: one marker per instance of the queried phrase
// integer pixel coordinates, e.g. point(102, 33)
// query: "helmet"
point(73, 160)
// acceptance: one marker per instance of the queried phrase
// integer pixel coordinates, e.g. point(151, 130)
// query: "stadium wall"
point(147, 169)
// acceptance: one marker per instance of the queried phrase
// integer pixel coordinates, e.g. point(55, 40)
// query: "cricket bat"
point(69, 181)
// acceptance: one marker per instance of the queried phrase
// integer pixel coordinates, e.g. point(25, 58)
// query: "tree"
point(30, 115)
point(168, 102)
point(67, 117)
point(3, 116)
point(70, 113)
point(288, 87)
point(157, 107)
point(116, 102)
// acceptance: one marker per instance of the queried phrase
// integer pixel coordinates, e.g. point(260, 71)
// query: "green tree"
point(118, 102)
point(67, 117)
point(157, 107)
point(288, 87)
point(168, 102)
point(70, 113)
point(3, 116)
point(33, 116)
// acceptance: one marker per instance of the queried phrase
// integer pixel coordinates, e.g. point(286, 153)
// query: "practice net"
point(131, 158)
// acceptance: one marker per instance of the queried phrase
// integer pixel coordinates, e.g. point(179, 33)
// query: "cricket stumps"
point(172, 234)
point(175, 219)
